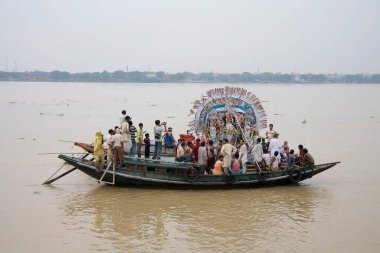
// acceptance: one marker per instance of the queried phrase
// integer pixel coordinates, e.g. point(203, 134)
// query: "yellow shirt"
point(139, 135)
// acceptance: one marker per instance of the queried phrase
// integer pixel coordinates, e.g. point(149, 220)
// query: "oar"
point(62, 175)
point(49, 181)
point(66, 141)
point(69, 153)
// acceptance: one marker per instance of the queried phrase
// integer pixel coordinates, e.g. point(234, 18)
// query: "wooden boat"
point(228, 102)
point(147, 172)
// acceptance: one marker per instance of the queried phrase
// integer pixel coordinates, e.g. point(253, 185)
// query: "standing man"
point(132, 132)
point(126, 136)
point(270, 133)
point(122, 117)
point(274, 144)
point(118, 150)
point(257, 153)
point(158, 130)
point(227, 151)
point(109, 146)
point(196, 148)
point(202, 157)
point(243, 152)
point(139, 139)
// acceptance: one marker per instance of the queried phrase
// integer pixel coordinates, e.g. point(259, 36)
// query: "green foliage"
point(162, 77)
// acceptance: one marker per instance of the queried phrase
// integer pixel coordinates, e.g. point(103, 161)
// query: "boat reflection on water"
point(213, 221)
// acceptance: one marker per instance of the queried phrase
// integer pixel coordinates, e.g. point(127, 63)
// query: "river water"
point(336, 211)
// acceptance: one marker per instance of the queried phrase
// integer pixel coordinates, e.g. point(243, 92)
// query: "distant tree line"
point(185, 77)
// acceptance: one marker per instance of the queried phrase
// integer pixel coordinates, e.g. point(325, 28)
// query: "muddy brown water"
point(336, 211)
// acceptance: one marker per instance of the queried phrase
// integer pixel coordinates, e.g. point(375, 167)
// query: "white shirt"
point(158, 130)
point(122, 119)
point(274, 145)
point(202, 155)
point(227, 151)
point(266, 158)
point(109, 141)
point(243, 153)
point(257, 152)
point(117, 139)
point(270, 134)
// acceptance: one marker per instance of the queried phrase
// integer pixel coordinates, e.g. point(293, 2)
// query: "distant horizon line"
point(208, 72)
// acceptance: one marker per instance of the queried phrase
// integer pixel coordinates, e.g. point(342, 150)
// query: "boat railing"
point(162, 162)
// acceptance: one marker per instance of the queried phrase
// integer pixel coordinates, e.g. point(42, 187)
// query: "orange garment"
point(218, 168)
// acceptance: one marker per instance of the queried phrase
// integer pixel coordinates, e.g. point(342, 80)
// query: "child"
point(147, 145)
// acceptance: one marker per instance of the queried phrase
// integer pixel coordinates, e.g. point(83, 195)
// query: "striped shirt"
point(132, 131)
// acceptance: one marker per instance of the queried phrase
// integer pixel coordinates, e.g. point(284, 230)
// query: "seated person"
point(180, 157)
point(235, 167)
point(291, 159)
point(299, 157)
point(308, 160)
point(284, 161)
point(266, 161)
point(169, 141)
point(274, 162)
point(189, 149)
point(218, 166)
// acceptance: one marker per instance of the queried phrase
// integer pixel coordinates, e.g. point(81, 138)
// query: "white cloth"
point(158, 130)
point(270, 134)
point(202, 155)
point(227, 151)
point(125, 130)
point(117, 140)
point(243, 153)
point(274, 145)
point(121, 119)
point(126, 137)
point(266, 158)
point(257, 152)
point(109, 142)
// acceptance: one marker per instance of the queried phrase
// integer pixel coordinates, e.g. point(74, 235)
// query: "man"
point(202, 157)
point(218, 166)
point(118, 150)
point(196, 148)
point(180, 157)
point(158, 130)
point(257, 153)
point(274, 144)
point(299, 157)
point(218, 148)
point(308, 160)
point(126, 137)
point(132, 132)
point(274, 162)
point(122, 117)
point(169, 141)
point(227, 151)
point(139, 139)
point(210, 156)
point(109, 145)
point(291, 160)
point(243, 152)
point(270, 133)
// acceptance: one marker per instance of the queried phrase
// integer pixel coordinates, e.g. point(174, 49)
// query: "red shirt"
point(195, 151)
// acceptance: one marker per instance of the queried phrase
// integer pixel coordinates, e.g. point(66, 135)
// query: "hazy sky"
point(320, 36)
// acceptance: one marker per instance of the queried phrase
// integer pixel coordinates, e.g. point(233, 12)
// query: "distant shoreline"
point(188, 77)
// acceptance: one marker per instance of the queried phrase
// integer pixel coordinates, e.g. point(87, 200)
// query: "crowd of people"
point(219, 157)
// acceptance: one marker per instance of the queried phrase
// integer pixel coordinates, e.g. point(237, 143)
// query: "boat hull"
point(144, 173)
